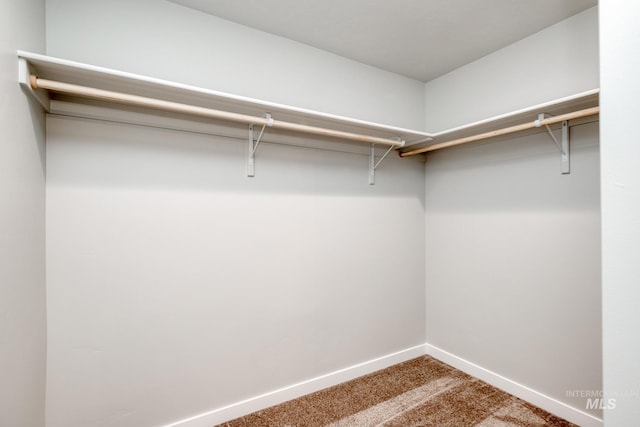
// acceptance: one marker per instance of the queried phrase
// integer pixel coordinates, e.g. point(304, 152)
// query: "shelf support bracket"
point(563, 146)
point(252, 146)
point(373, 165)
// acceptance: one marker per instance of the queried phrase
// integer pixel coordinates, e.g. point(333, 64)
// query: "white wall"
point(22, 263)
point(262, 282)
point(177, 285)
point(620, 68)
point(556, 62)
point(513, 261)
point(162, 39)
point(513, 246)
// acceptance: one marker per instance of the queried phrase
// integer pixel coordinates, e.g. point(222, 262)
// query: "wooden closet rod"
point(176, 107)
point(505, 131)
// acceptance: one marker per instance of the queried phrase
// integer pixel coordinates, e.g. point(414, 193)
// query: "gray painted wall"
point(176, 284)
point(513, 246)
point(513, 261)
point(22, 217)
point(156, 237)
point(556, 62)
point(620, 68)
point(162, 39)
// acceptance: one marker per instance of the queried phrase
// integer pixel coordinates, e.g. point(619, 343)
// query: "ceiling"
point(421, 39)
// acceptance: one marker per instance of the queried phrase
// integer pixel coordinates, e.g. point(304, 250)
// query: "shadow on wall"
point(38, 119)
point(85, 152)
point(516, 174)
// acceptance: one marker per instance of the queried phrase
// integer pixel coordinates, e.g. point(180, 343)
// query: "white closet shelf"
point(575, 108)
point(99, 80)
point(77, 74)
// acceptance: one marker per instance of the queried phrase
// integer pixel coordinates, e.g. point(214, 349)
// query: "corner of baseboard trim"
point(256, 403)
point(541, 400)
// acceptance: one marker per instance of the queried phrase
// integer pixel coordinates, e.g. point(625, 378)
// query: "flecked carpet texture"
point(419, 392)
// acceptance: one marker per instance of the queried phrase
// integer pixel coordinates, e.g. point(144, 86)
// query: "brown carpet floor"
point(419, 392)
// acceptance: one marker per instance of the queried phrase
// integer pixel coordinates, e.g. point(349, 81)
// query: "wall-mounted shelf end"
point(25, 72)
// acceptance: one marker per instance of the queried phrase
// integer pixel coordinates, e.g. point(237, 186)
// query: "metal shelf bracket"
point(563, 146)
point(252, 146)
point(373, 165)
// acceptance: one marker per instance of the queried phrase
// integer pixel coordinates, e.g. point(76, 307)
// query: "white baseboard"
point(239, 409)
point(543, 401)
point(253, 404)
